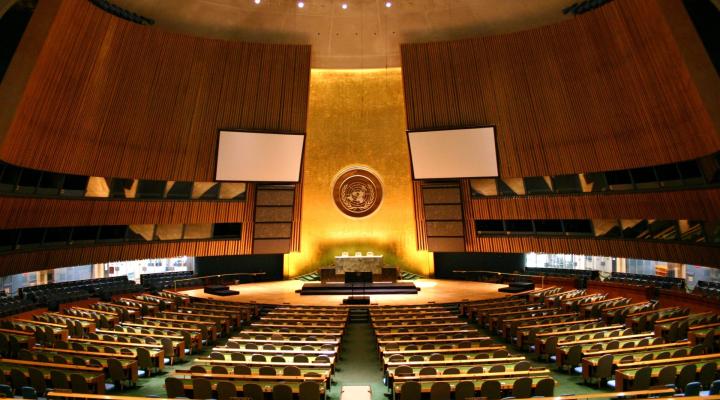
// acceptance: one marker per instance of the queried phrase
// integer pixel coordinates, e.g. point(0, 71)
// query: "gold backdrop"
point(357, 118)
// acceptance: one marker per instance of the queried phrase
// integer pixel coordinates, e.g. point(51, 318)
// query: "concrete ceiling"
point(365, 35)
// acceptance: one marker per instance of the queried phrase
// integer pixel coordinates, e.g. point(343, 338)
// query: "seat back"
point(545, 387)
point(253, 391)
point(78, 384)
point(174, 387)
point(202, 389)
point(522, 388)
point(464, 390)
point(642, 378)
point(225, 390)
point(59, 380)
point(18, 379)
point(37, 380)
point(667, 375)
point(491, 390)
point(242, 370)
point(218, 369)
point(266, 370)
point(410, 391)
point(686, 375)
point(291, 370)
point(282, 392)
point(309, 391)
point(440, 391)
point(707, 374)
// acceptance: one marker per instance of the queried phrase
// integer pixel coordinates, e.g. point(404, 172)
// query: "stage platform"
point(285, 292)
point(358, 289)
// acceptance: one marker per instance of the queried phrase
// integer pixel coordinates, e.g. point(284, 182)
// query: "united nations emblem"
point(357, 192)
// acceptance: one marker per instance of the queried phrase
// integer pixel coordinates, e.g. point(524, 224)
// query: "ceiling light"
point(388, 4)
point(344, 6)
point(257, 1)
point(301, 4)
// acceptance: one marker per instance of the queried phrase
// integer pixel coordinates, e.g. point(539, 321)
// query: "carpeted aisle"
point(359, 364)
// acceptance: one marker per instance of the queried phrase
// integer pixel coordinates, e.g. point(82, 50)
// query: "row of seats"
point(679, 351)
point(451, 360)
point(285, 342)
point(578, 273)
point(15, 305)
point(165, 280)
point(61, 292)
point(73, 352)
point(664, 282)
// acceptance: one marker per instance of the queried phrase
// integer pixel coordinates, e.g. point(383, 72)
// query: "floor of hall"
point(359, 364)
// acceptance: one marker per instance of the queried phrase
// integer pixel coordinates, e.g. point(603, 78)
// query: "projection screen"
point(259, 157)
point(458, 153)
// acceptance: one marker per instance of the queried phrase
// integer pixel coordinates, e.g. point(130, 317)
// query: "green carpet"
point(359, 363)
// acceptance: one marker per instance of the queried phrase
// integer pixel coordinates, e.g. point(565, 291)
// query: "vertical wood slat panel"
point(19, 262)
point(28, 212)
point(603, 91)
point(420, 227)
point(296, 219)
point(111, 98)
point(701, 204)
point(671, 252)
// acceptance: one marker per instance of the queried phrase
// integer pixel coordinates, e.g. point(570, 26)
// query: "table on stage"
point(359, 263)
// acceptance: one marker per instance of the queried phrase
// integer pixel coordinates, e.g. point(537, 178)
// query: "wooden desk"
point(128, 362)
point(60, 331)
point(94, 376)
point(623, 376)
point(522, 332)
point(463, 377)
point(449, 363)
point(230, 350)
point(424, 333)
point(333, 342)
point(388, 353)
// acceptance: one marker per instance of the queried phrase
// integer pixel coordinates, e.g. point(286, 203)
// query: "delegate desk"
point(94, 376)
point(506, 384)
point(625, 373)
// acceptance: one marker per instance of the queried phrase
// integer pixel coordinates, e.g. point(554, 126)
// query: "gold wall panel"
point(357, 118)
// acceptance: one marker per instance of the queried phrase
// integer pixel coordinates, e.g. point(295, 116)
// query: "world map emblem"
point(357, 192)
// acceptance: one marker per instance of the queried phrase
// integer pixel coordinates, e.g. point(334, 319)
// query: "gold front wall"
point(357, 118)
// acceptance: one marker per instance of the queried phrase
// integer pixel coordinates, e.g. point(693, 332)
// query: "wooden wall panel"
point(702, 204)
point(112, 98)
point(18, 262)
point(26, 212)
point(673, 252)
point(603, 91)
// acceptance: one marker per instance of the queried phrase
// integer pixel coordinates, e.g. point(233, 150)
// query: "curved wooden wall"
point(606, 90)
point(671, 252)
point(28, 212)
point(18, 262)
point(703, 204)
point(111, 98)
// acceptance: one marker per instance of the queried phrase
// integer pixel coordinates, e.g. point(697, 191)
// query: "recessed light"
point(344, 6)
point(301, 4)
point(257, 1)
point(388, 4)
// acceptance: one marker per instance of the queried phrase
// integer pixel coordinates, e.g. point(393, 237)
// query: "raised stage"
point(285, 292)
point(358, 289)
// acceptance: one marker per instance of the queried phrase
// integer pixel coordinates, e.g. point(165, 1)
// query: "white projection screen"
point(259, 157)
point(457, 153)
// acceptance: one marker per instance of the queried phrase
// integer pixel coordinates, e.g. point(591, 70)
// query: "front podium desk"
point(359, 263)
